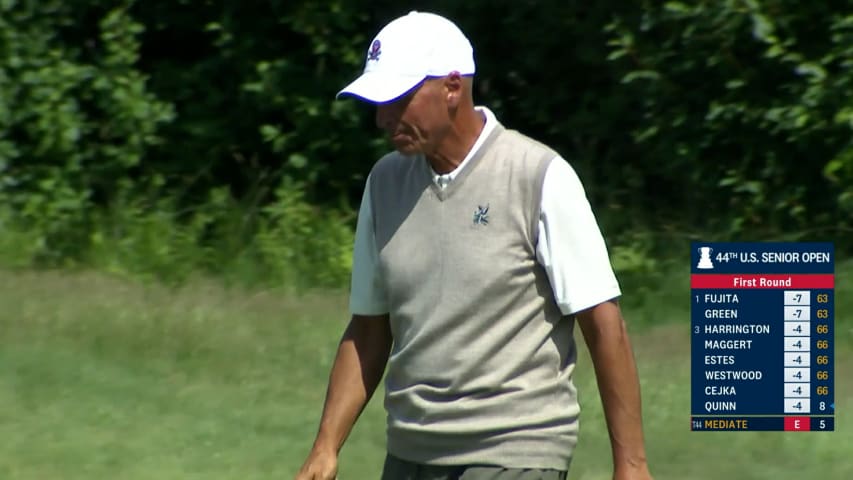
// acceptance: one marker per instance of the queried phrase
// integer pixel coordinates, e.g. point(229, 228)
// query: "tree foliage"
point(746, 111)
point(75, 117)
point(726, 119)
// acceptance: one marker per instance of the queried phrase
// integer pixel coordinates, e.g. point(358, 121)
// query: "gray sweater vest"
point(480, 371)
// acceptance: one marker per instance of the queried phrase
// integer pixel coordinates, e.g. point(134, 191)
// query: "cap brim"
point(378, 87)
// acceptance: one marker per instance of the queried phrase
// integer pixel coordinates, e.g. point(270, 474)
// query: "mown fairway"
point(100, 378)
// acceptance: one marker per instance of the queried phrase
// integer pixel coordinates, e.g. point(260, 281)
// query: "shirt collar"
point(442, 180)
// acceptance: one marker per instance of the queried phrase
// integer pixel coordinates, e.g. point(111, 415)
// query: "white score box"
point(797, 329)
point(793, 359)
point(797, 374)
point(797, 390)
point(797, 405)
point(798, 297)
point(797, 344)
point(797, 313)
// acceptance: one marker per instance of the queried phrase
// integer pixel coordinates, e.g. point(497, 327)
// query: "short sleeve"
point(367, 295)
point(570, 246)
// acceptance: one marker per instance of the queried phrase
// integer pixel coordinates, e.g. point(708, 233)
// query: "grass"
point(102, 378)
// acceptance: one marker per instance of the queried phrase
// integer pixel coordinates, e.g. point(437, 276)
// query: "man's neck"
point(458, 142)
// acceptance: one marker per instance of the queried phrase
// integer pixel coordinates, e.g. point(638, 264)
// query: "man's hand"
point(320, 465)
point(359, 364)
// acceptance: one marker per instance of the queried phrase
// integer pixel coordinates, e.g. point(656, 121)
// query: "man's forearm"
point(358, 368)
point(618, 383)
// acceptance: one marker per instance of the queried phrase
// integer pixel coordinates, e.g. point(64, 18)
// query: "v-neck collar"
point(473, 162)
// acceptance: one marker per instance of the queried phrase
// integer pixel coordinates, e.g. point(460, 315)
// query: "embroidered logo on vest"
point(481, 215)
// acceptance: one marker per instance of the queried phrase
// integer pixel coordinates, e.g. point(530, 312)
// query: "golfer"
point(476, 252)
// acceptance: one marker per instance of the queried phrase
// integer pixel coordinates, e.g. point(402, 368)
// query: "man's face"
point(416, 122)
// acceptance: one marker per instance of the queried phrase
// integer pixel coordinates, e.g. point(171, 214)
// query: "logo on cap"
point(375, 50)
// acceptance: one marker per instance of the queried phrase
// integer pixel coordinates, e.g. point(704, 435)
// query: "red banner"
point(758, 280)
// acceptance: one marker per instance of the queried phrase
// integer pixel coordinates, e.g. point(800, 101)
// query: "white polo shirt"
point(570, 246)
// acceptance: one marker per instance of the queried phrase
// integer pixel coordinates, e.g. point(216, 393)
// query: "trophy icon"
point(705, 258)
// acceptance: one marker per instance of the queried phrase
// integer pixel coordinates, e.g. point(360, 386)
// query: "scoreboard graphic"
point(762, 336)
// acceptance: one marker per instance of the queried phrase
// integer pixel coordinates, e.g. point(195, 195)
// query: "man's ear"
point(453, 88)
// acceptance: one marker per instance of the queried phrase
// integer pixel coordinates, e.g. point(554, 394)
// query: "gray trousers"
point(398, 469)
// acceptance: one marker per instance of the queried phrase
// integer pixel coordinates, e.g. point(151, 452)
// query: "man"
point(475, 252)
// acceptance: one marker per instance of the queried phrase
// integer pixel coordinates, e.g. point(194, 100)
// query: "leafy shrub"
point(744, 113)
point(75, 118)
point(302, 245)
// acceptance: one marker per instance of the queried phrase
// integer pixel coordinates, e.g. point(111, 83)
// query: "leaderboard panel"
point(762, 336)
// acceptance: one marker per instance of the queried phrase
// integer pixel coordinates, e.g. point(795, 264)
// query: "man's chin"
point(407, 149)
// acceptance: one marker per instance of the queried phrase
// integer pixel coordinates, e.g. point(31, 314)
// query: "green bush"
point(302, 245)
point(170, 139)
point(75, 118)
point(286, 243)
point(144, 236)
point(744, 114)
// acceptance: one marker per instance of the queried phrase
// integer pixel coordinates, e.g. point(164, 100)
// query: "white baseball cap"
point(408, 50)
